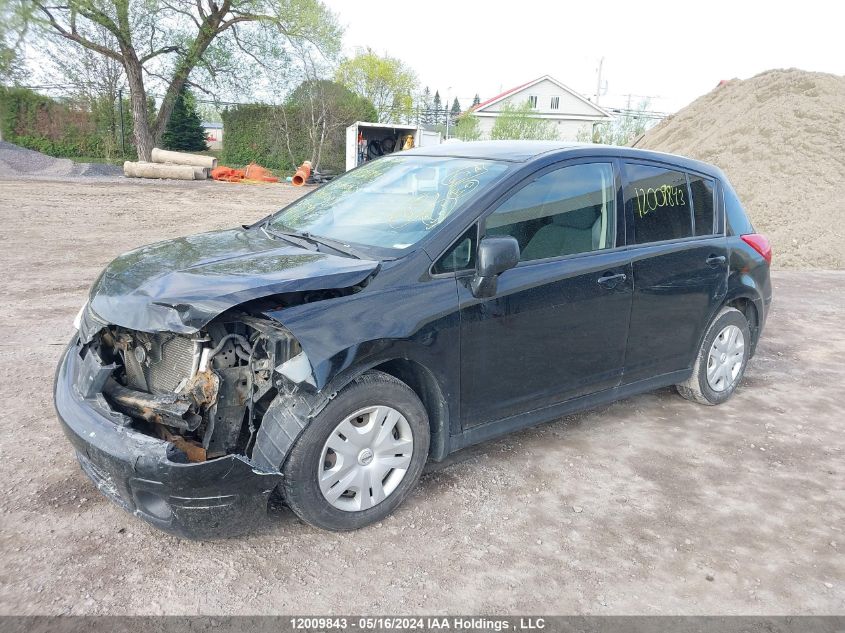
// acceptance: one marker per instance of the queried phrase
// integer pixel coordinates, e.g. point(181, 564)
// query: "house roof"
point(600, 112)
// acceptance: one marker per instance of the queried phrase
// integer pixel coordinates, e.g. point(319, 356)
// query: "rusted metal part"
point(161, 409)
point(194, 450)
point(203, 388)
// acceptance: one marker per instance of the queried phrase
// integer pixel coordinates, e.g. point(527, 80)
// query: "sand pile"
point(780, 138)
point(19, 162)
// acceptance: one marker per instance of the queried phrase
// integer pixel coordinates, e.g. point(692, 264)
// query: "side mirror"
point(495, 256)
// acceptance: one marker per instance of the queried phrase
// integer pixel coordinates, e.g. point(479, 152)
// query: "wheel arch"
point(424, 383)
point(291, 411)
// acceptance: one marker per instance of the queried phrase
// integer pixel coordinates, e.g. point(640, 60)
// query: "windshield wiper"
point(341, 247)
point(293, 238)
point(316, 240)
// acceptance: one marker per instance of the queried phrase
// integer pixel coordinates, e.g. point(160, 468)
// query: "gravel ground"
point(652, 505)
point(19, 162)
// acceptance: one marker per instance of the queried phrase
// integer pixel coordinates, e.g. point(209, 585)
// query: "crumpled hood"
point(180, 285)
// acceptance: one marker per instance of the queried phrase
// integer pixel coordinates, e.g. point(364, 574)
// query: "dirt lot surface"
point(652, 505)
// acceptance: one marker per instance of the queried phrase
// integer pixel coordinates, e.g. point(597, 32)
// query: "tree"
point(94, 82)
point(425, 106)
point(12, 29)
point(170, 40)
point(384, 81)
point(184, 129)
point(315, 117)
point(520, 122)
point(456, 108)
point(621, 131)
point(476, 100)
point(436, 105)
point(467, 128)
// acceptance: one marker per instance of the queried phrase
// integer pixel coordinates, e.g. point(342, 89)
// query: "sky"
point(671, 52)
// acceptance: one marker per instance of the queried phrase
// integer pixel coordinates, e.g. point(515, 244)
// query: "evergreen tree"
point(476, 100)
point(184, 129)
point(425, 106)
point(436, 106)
point(456, 108)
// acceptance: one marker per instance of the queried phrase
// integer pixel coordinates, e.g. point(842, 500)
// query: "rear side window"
point(702, 190)
point(659, 200)
point(735, 216)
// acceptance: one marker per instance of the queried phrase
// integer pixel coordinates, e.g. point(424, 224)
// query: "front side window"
point(703, 190)
point(564, 212)
point(659, 200)
point(392, 202)
point(460, 256)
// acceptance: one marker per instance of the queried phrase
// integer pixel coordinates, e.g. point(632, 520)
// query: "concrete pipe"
point(181, 158)
point(156, 170)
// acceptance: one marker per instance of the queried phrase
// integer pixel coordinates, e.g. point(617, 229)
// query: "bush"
point(57, 128)
point(280, 137)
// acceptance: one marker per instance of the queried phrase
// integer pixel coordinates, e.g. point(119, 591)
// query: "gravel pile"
point(780, 138)
point(19, 162)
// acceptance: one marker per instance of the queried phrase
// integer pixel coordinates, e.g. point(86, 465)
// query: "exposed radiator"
point(163, 364)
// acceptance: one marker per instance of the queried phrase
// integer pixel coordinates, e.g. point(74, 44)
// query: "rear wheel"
point(360, 456)
point(721, 360)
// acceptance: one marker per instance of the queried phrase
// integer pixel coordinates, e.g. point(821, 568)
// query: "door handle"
point(715, 260)
point(611, 281)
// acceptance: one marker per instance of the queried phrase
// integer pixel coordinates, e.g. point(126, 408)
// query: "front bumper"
point(217, 498)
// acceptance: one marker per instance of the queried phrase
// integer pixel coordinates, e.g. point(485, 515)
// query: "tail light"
point(759, 243)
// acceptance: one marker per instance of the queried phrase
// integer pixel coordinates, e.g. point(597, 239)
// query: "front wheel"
point(360, 456)
point(721, 360)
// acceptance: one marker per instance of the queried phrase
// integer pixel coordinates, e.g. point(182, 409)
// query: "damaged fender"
point(341, 338)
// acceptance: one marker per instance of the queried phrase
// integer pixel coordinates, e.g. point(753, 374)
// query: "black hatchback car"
point(420, 303)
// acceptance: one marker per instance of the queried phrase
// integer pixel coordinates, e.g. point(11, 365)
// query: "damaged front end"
point(165, 424)
point(203, 392)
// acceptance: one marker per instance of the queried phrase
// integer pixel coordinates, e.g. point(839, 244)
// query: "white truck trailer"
point(366, 141)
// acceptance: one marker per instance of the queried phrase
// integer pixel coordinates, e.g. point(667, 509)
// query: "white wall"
point(567, 129)
point(544, 91)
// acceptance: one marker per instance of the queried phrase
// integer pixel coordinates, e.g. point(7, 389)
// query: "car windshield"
point(392, 202)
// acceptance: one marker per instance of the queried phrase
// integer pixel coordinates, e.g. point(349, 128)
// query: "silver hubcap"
point(725, 359)
point(365, 458)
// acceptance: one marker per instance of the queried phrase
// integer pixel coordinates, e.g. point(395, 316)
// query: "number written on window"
point(660, 203)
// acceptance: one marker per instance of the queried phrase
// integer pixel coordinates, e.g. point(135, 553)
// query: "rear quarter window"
point(659, 201)
point(735, 217)
point(703, 190)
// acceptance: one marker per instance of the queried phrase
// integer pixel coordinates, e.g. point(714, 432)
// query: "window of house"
point(555, 103)
point(567, 211)
point(659, 200)
point(702, 190)
point(532, 101)
point(460, 256)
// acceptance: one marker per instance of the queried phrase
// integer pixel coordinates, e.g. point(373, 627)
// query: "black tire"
point(301, 487)
point(696, 387)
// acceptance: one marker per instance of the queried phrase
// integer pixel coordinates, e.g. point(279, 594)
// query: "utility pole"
point(448, 112)
point(598, 82)
point(120, 108)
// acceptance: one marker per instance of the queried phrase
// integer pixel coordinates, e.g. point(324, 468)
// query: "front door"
point(557, 326)
point(679, 259)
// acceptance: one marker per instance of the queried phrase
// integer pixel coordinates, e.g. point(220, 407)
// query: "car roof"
point(525, 151)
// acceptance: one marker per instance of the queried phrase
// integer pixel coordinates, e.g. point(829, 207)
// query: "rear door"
point(558, 324)
point(679, 259)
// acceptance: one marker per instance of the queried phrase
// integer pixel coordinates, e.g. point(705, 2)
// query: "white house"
point(551, 100)
point(213, 134)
